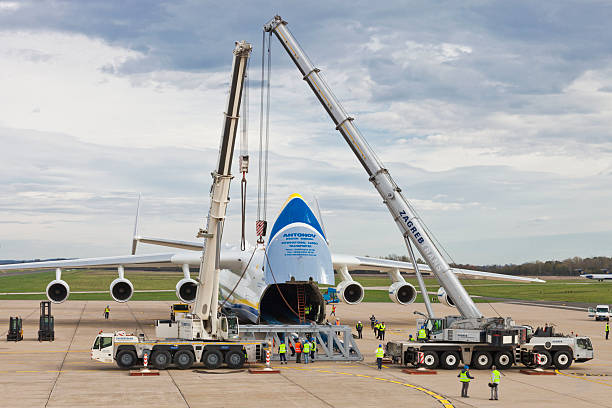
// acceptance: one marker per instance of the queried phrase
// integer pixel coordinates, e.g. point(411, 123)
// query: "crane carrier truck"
point(470, 338)
point(205, 335)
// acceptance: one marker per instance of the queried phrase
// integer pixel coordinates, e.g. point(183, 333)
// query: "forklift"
point(46, 330)
point(15, 332)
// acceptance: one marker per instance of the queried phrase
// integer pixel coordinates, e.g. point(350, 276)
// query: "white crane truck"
point(470, 338)
point(205, 335)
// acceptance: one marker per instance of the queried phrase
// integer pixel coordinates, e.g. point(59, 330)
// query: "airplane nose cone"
point(297, 248)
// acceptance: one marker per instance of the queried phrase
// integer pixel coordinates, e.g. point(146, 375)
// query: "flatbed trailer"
point(129, 351)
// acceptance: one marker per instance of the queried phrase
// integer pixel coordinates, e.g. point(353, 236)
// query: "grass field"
point(569, 290)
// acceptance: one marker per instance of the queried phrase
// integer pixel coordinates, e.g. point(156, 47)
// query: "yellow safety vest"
point(422, 334)
point(380, 353)
point(463, 377)
point(382, 327)
point(314, 346)
point(411, 339)
point(306, 347)
point(495, 377)
point(106, 310)
point(282, 349)
point(607, 327)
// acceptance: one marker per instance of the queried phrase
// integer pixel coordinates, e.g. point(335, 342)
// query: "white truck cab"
point(601, 312)
point(103, 347)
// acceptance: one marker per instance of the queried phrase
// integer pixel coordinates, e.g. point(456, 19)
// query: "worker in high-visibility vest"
point(359, 328)
point(464, 378)
point(380, 353)
point(410, 338)
point(607, 330)
point(306, 351)
point(298, 351)
point(422, 335)
point(106, 312)
point(495, 377)
point(376, 324)
point(282, 352)
point(313, 349)
point(381, 331)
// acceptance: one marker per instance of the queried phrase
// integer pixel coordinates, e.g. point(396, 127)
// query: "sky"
point(492, 116)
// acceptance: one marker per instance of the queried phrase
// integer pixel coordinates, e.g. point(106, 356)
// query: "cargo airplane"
point(266, 283)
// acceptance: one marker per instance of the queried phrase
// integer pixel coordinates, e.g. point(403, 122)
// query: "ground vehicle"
point(46, 330)
point(601, 312)
point(451, 334)
point(179, 310)
point(205, 335)
point(15, 332)
point(331, 296)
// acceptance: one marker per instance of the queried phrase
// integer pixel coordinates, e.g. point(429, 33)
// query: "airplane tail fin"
point(320, 217)
point(135, 234)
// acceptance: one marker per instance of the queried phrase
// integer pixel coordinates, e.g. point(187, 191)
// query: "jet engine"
point(121, 290)
point(350, 292)
point(57, 291)
point(402, 293)
point(444, 298)
point(186, 290)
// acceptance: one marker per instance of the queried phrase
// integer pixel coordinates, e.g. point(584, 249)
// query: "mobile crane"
point(204, 335)
point(470, 338)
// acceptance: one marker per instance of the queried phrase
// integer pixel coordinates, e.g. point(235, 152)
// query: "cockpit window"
point(584, 343)
point(97, 343)
point(106, 342)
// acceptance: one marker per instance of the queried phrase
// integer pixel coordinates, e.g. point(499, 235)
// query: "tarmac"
point(61, 373)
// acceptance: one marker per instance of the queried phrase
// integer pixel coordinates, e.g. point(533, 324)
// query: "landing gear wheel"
point(234, 359)
point(126, 359)
point(545, 359)
point(184, 359)
point(430, 360)
point(482, 360)
point(449, 360)
point(161, 359)
point(503, 360)
point(212, 359)
point(562, 360)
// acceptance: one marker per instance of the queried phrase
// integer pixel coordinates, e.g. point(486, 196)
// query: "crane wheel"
point(126, 359)
point(503, 360)
point(184, 359)
point(482, 360)
point(234, 359)
point(431, 360)
point(212, 359)
point(161, 359)
point(450, 360)
point(546, 359)
point(562, 359)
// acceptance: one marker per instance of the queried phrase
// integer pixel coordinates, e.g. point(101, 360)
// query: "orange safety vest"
point(298, 347)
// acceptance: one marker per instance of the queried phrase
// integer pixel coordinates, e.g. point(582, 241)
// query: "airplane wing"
point(384, 265)
point(153, 260)
point(189, 245)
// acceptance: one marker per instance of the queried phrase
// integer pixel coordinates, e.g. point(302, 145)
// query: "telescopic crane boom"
point(402, 212)
point(208, 279)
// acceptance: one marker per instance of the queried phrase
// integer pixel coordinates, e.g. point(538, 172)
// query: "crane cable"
point(244, 155)
point(264, 139)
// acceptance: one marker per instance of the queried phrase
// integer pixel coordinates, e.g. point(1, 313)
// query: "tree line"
point(568, 267)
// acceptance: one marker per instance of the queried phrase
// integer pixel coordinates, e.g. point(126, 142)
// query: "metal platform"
point(334, 343)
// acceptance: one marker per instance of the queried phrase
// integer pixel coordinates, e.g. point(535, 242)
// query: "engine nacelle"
point(402, 293)
point(57, 291)
point(350, 292)
point(444, 298)
point(186, 290)
point(121, 290)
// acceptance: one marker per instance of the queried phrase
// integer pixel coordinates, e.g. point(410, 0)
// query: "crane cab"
point(102, 349)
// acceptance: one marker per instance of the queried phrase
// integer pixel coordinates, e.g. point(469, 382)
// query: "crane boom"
point(402, 212)
point(208, 279)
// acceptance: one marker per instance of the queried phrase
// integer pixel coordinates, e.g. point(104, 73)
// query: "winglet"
point(135, 235)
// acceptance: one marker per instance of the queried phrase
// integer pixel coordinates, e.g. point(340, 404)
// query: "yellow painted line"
point(583, 378)
point(441, 399)
point(27, 371)
point(56, 371)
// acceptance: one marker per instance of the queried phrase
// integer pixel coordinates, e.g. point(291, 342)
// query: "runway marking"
point(440, 398)
point(44, 351)
point(582, 378)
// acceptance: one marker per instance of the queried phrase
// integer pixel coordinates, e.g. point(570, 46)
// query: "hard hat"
point(359, 321)
point(380, 345)
point(466, 366)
